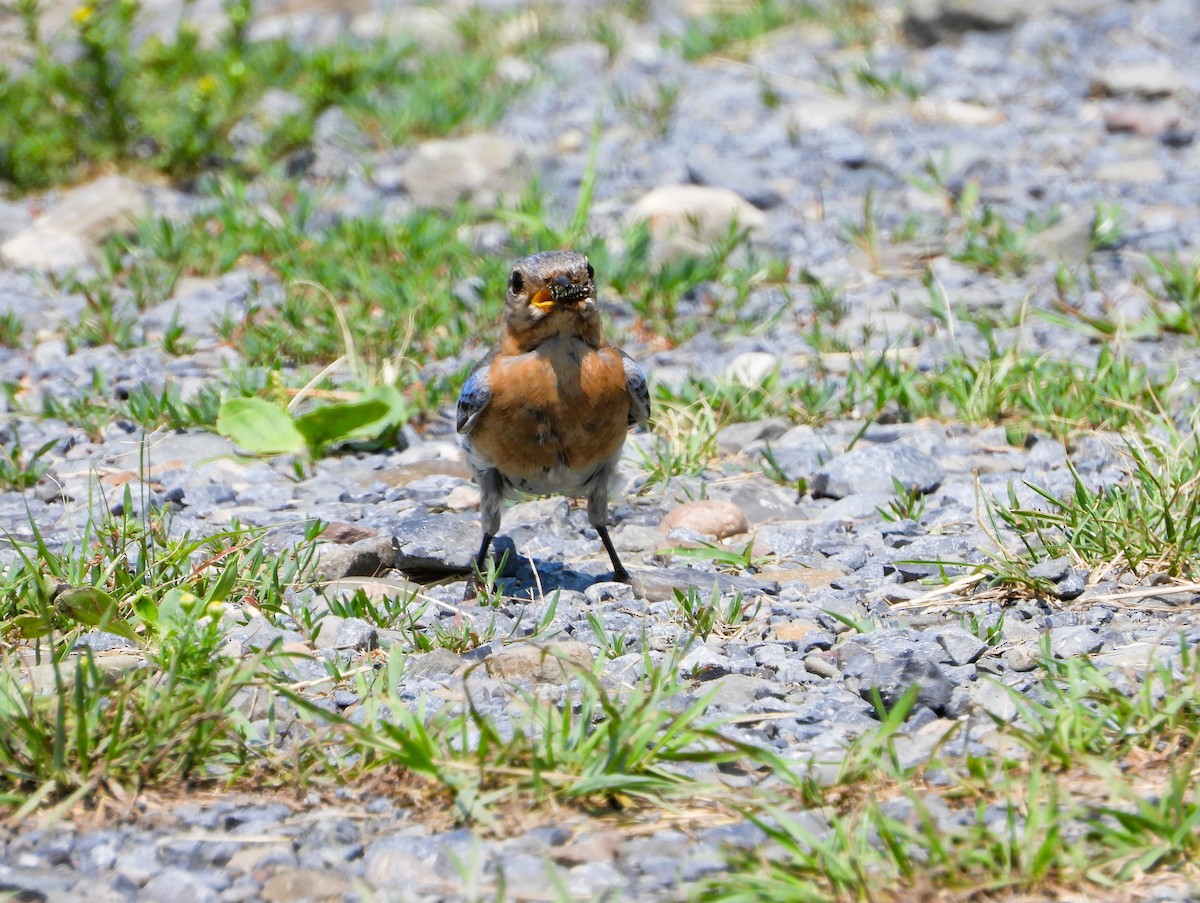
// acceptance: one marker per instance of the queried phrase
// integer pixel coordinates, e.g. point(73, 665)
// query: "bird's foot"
point(475, 588)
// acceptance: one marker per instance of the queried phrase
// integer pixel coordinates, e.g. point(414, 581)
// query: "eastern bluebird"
point(548, 411)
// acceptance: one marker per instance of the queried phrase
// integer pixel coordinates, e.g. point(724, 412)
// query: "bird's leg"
point(491, 497)
point(598, 517)
point(620, 575)
point(475, 580)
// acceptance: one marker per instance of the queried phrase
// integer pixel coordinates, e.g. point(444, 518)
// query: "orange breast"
point(562, 405)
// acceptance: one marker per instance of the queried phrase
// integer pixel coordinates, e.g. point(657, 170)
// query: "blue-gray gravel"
point(808, 166)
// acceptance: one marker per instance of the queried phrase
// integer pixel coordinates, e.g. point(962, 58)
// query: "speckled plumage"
point(548, 411)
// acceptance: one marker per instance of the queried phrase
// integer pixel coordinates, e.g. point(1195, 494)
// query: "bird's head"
point(552, 293)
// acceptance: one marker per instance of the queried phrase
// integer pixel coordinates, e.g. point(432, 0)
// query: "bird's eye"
point(517, 282)
point(591, 272)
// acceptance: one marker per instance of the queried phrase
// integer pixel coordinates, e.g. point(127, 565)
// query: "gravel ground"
point(1065, 104)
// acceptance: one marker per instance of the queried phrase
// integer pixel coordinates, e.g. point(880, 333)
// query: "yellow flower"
point(83, 14)
point(207, 84)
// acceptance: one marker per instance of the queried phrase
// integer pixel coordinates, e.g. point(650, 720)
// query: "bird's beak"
point(558, 294)
point(543, 300)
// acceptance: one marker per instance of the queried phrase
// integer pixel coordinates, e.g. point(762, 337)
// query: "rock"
point(479, 168)
point(659, 584)
point(1070, 239)
point(797, 454)
point(745, 177)
point(175, 885)
point(436, 661)
point(594, 880)
point(339, 144)
point(892, 676)
point(609, 591)
point(102, 641)
point(462, 498)
point(821, 666)
point(710, 518)
point(365, 558)
point(928, 22)
point(751, 368)
point(736, 692)
point(733, 438)
point(346, 534)
point(391, 863)
point(429, 28)
point(1022, 658)
point(1071, 586)
point(871, 469)
point(1177, 137)
point(96, 210)
point(305, 884)
point(1146, 171)
point(346, 633)
point(1053, 569)
point(46, 249)
point(794, 631)
point(687, 220)
point(14, 218)
point(1146, 120)
point(955, 112)
point(551, 663)
point(198, 304)
point(439, 543)
point(961, 647)
point(595, 846)
point(1144, 79)
point(1067, 642)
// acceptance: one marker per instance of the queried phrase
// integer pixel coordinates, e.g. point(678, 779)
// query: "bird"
point(547, 412)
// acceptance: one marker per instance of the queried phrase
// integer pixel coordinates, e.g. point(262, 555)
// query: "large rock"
point(479, 168)
point(687, 220)
point(891, 676)
point(66, 236)
point(552, 663)
point(439, 543)
point(871, 469)
point(710, 518)
point(432, 30)
point(98, 209)
point(929, 21)
point(1147, 80)
point(46, 249)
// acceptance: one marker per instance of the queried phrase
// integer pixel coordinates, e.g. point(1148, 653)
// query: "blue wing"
point(639, 395)
point(475, 395)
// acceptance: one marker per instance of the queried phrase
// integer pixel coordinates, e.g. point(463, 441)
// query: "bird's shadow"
point(521, 577)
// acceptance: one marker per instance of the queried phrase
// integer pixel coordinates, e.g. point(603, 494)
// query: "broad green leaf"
point(146, 611)
point(397, 413)
point(335, 422)
point(258, 426)
point(94, 608)
point(31, 627)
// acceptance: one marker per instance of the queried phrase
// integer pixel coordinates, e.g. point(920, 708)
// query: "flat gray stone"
point(733, 438)
point(961, 646)
point(893, 676)
point(871, 469)
point(1067, 642)
point(927, 22)
point(438, 543)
